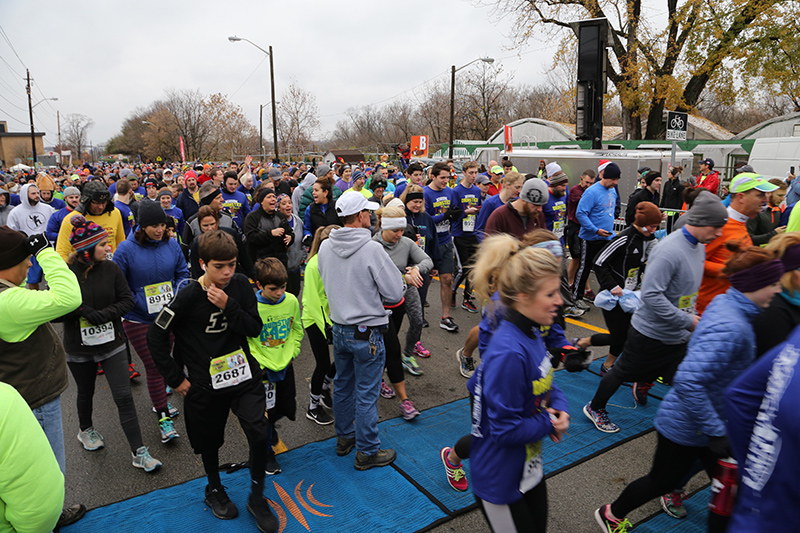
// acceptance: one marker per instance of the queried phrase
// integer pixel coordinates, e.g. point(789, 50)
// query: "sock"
point(314, 402)
point(211, 466)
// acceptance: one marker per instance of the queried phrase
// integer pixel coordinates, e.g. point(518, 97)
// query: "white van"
point(775, 157)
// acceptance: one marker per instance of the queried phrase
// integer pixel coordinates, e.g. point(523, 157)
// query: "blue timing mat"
point(696, 520)
point(317, 491)
point(659, 390)
point(419, 442)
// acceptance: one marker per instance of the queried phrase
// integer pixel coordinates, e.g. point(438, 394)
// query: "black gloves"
point(96, 317)
point(720, 446)
point(574, 359)
point(453, 213)
point(307, 240)
point(37, 243)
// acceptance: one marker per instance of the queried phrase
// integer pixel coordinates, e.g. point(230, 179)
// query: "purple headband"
point(791, 257)
point(757, 277)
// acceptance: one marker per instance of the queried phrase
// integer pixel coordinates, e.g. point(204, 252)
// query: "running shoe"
point(70, 515)
point(640, 390)
point(168, 390)
point(410, 364)
point(326, 398)
point(455, 474)
point(467, 305)
point(427, 304)
point(386, 390)
point(142, 459)
point(672, 504)
point(133, 372)
point(608, 524)
point(319, 416)
point(453, 299)
point(573, 312)
point(448, 324)
point(421, 351)
point(582, 304)
point(600, 419)
point(219, 503)
point(382, 458)
point(271, 467)
point(173, 411)
point(408, 410)
point(589, 295)
point(91, 439)
point(466, 365)
point(603, 370)
point(425, 323)
point(167, 429)
point(100, 370)
point(259, 508)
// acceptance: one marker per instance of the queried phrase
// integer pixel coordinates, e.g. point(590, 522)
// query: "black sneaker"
point(70, 515)
point(271, 467)
point(259, 508)
point(344, 446)
point(319, 416)
point(448, 324)
point(467, 305)
point(425, 323)
point(219, 503)
point(382, 458)
point(326, 398)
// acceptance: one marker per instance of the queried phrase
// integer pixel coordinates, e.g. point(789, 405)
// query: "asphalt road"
point(106, 476)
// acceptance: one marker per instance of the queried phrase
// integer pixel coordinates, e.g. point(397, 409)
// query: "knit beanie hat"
point(651, 176)
point(647, 214)
point(707, 210)
point(85, 236)
point(13, 247)
point(208, 192)
point(612, 172)
point(151, 213)
point(71, 190)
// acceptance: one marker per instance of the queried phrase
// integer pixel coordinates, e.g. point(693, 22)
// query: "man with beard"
point(47, 187)
point(555, 210)
point(189, 200)
point(72, 196)
point(31, 217)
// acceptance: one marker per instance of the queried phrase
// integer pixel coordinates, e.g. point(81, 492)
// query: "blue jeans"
point(49, 417)
point(359, 367)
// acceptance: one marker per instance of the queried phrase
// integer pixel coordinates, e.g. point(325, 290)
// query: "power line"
point(12, 103)
point(3, 33)
point(250, 76)
point(9, 115)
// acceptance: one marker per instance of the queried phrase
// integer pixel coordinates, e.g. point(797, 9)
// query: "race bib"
point(269, 389)
point(533, 471)
point(443, 226)
point(157, 296)
point(468, 224)
point(688, 304)
point(229, 370)
point(632, 280)
point(95, 335)
point(558, 228)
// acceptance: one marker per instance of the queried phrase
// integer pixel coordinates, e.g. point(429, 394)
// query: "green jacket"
point(316, 311)
point(308, 198)
point(31, 482)
point(281, 333)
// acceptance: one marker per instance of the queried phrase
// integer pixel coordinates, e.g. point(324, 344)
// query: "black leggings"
point(528, 514)
point(618, 322)
point(115, 368)
point(394, 353)
point(671, 463)
point(322, 356)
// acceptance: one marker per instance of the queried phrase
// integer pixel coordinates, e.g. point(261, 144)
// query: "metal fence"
point(663, 230)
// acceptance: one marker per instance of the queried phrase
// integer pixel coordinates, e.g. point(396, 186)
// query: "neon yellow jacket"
point(316, 311)
point(281, 333)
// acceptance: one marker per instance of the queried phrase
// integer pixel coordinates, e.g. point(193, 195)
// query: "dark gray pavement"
point(106, 476)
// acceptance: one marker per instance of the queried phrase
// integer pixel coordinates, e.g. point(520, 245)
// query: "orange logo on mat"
point(293, 508)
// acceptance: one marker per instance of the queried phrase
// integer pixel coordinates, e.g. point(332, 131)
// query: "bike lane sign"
point(677, 124)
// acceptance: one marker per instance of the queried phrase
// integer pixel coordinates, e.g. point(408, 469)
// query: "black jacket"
point(106, 290)
point(243, 266)
point(204, 332)
point(673, 194)
point(258, 226)
point(641, 195)
point(320, 219)
point(622, 259)
point(775, 323)
point(187, 204)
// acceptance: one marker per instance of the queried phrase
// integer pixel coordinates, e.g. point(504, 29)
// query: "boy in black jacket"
point(211, 320)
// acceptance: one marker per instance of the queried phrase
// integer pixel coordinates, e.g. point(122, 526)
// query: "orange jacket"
point(714, 281)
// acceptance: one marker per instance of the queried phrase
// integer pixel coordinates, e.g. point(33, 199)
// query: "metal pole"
point(30, 112)
point(672, 157)
point(261, 129)
point(452, 108)
point(274, 110)
point(60, 148)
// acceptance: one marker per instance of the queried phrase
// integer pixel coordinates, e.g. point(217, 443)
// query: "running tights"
point(322, 356)
point(618, 322)
point(528, 514)
point(137, 335)
point(115, 368)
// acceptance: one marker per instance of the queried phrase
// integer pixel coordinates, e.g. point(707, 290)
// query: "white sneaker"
point(91, 439)
point(142, 459)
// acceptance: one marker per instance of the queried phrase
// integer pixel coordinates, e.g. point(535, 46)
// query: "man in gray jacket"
point(661, 327)
point(358, 277)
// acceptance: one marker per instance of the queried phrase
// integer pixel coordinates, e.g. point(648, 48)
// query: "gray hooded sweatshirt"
point(28, 219)
point(307, 182)
point(358, 277)
point(405, 253)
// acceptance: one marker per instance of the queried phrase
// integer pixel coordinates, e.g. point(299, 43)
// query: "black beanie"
point(150, 214)
point(651, 176)
point(13, 247)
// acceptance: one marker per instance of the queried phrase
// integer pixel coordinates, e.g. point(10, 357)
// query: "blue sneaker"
point(167, 430)
point(173, 411)
point(600, 419)
point(410, 364)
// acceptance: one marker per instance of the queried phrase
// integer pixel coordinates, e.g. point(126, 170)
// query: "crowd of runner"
point(211, 276)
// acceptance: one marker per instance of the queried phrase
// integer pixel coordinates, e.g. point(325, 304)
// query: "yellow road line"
point(585, 325)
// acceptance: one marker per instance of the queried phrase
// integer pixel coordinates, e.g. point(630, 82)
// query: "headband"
point(554, 247)
point(791, 257)
point(414, 196)
point(393, 223)
point(757, 277)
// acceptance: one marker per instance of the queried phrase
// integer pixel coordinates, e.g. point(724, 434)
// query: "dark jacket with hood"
point(258, 226)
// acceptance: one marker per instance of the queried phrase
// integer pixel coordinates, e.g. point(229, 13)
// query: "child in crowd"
point(279, 341)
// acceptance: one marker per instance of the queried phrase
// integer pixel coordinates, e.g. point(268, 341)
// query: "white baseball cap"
point(352, 202)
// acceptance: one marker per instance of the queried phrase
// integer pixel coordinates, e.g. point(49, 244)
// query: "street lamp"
point(234, 39)
point(453, 95)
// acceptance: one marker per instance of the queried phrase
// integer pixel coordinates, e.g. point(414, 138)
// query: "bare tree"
point(484, 102)
point(76, 132)
point(298, 117)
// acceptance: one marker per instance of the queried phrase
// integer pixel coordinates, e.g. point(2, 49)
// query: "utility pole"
point(261, 129)
point(60, 148)
point(274, 110)
point(452, 109)
point(30, 112)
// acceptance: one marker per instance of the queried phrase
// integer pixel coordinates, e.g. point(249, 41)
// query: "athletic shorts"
point(574, 242)
point(446, 260)
point(285, 397)
point(206, 415)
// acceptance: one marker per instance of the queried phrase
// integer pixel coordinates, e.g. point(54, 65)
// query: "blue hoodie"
point(237, 205)
point(596, 211)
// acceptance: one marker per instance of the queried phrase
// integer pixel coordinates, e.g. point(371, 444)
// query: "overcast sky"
point(105, 58)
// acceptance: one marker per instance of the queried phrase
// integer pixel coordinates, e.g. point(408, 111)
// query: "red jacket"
point(506, 219)
point(709, 181)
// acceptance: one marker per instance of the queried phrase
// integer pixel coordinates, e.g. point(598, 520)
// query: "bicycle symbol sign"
point(677, 124)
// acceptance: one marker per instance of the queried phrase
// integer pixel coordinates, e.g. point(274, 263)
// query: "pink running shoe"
point(421, 351)
point(455, 474)
point(386, 390)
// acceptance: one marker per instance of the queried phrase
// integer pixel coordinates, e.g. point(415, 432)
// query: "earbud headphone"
point(203, 267)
